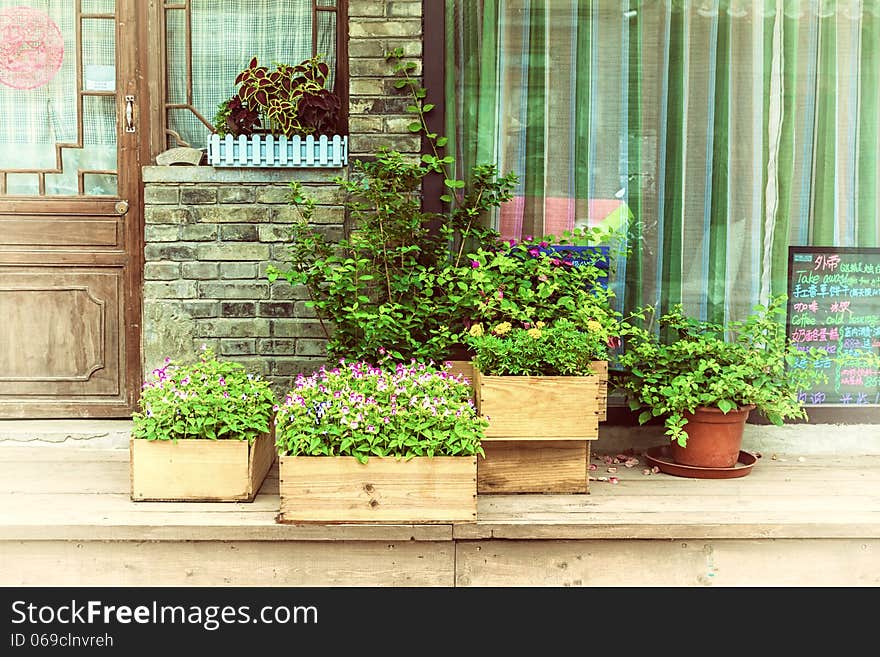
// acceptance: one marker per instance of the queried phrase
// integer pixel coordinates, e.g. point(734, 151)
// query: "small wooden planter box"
point(543, 407)
point(540, 466)
point(199, 470)
point(540, 428)
point(338, 489)
point(273, 151)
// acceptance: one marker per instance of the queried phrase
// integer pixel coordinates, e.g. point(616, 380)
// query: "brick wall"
point(210, 234)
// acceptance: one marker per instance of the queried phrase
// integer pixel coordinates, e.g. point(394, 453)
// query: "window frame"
point(157, 67)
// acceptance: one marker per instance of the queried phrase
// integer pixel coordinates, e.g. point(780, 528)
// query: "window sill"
point(207, 174)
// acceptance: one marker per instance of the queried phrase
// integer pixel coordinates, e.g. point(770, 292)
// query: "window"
point(730, 128)
point(207, 43)
point(57, 91)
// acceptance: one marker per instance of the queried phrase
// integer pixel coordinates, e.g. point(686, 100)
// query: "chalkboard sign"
point(834, 304)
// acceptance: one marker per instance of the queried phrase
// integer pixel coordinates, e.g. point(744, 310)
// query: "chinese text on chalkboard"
point(834, 304)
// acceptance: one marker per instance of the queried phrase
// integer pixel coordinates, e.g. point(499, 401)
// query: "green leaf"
point(415, 126)
point(726, 405)
point(644, 416)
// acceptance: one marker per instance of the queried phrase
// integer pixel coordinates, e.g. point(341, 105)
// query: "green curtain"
point(731, 129)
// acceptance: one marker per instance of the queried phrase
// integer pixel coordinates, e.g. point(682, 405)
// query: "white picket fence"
point(277, 151)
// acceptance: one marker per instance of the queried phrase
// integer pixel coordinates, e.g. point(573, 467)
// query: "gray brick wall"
point(210, 234)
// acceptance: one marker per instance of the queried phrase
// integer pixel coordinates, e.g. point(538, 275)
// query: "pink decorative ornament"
point(31, 48)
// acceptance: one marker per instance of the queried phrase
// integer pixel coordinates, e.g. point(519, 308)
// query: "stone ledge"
point(187, 174)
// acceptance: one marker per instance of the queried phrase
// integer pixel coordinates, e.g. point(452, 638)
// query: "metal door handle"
point(129, 113)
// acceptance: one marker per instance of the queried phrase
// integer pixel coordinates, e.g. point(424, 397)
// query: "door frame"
point(133, 151)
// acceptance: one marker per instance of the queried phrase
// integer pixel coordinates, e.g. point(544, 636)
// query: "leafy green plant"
point(561, 348)
point(728, 366)
point(287, 100)
point(525, 282)
point(393, 410)
point(209, 398)
point(394, 284)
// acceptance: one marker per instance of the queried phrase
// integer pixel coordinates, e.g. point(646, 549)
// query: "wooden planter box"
point(543, 407)
point(540, 428)
point(339, 489)
point(539, 466)
point(199, 470)
point(465, 368)
point(273, 151)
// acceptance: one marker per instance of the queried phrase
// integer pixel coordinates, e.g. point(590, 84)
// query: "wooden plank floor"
point(71, 506)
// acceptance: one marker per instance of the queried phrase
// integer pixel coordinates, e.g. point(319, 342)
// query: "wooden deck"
point(66, 519)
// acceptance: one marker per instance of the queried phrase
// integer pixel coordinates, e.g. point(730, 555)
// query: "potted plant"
point(378, 443)
point(203, 433)
point(542, 388)
point(704, 378)
point(279, 117)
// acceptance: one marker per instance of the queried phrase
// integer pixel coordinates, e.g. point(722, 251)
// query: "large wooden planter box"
point(272, 151)
point(199, 470)
point(339, 489)
point(540, 428)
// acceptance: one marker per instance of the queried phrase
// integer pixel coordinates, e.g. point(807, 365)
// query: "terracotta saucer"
point(661, 457)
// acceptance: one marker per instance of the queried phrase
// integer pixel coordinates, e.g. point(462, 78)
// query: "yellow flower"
point(476, 330)
point(534, 332)
point(593, 325)
point(540, 325)
point(502, 328)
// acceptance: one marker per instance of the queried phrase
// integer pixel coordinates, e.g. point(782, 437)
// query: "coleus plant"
point(286, 100)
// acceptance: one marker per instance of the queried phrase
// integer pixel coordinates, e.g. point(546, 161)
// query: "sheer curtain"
point(730, 128)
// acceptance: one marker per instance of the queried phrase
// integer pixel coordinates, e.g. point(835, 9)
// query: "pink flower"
point(474, 264)
point(544, 245)
point(534, 252)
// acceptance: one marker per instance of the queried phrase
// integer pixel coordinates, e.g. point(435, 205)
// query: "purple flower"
point(475, 264)
point(534, 252)
point(222, 381)
point(544, 245)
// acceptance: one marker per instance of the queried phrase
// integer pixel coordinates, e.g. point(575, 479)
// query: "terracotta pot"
point(714, 438)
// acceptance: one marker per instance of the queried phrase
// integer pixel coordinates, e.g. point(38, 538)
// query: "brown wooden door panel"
point(61, 335)
point(71, 213)
point(59, 231)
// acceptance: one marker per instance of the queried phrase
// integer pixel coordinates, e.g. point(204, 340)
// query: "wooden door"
point(70, 207)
